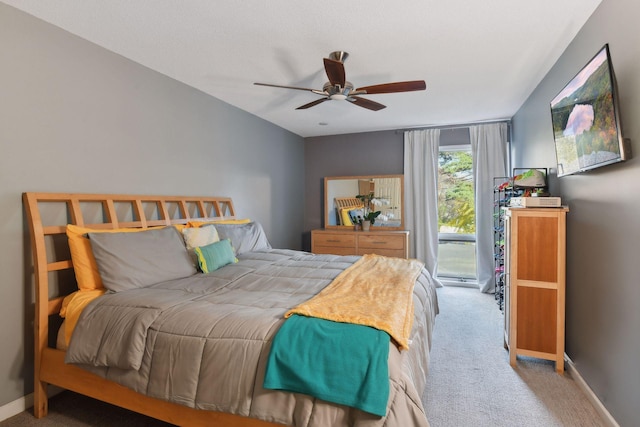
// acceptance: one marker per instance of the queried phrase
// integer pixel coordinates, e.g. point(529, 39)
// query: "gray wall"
point(77, 118)
point(369, 153)
point(603, 272)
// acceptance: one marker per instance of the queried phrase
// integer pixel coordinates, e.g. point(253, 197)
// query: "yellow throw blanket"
point(375, 291)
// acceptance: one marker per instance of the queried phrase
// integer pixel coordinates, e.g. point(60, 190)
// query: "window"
point(456, 214)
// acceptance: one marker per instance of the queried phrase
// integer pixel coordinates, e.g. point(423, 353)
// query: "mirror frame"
point(329, 204)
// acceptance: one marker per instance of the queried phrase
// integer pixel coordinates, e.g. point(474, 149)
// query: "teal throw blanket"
point(337, 362)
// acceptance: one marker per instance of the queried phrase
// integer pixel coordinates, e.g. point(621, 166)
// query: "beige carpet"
point(471, 383)
point(69, 409)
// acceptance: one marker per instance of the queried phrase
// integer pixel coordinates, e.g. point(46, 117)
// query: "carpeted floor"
point(470, 383)
point(69, 409)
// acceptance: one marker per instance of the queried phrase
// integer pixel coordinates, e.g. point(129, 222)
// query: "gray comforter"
point(203, 341)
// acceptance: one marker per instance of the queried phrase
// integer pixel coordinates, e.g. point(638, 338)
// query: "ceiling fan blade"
point(335, 72)
point(366, 103)
point(312, 104)
point(287, 87)
point(409, 86)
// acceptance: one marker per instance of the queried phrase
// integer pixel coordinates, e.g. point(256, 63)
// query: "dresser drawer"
point(396, 253)
point(382, 241)
point(334, 250)
point(335, 240)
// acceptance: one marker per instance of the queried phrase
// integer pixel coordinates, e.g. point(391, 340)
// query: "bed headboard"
point(49, 213)
point(347, 202)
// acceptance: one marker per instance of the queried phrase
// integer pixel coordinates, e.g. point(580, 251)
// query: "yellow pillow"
point(84, 264)
point(196, 224)
point(344, 216)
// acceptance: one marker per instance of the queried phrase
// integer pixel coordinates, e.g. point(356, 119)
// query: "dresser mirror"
point(340, 200)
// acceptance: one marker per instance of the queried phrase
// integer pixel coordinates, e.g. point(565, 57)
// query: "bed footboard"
point(55, 371)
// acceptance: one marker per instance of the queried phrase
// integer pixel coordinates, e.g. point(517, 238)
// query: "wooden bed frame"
point(104, 211)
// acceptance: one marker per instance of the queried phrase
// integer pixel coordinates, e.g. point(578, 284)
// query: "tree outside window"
point(456, 214)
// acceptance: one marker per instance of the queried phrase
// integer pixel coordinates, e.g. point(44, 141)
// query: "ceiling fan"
point(338, 88)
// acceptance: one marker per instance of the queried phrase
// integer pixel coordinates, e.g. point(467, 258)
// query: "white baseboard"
point(22, 404)
point(14, 408)
point(591, 396)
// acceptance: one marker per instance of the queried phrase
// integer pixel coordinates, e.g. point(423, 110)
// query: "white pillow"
point(201, 236)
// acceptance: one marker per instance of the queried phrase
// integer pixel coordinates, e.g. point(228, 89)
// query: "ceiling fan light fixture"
point(339, 89)
point(338, 55)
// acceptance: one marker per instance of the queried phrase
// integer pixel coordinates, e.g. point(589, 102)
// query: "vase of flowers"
point(369, 216)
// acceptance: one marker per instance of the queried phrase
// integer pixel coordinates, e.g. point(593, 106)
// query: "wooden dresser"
point(394, 243)
point(535, 246)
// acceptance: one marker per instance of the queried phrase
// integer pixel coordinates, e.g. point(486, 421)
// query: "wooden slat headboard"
point(347, 202)
point(49, 213)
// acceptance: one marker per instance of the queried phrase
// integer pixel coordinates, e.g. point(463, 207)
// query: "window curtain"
point(489, 152)
point(421, 195)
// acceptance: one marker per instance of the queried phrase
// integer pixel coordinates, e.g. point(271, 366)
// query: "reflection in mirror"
point(341, 202)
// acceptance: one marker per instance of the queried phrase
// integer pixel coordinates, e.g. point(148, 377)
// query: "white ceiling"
point(480, 58)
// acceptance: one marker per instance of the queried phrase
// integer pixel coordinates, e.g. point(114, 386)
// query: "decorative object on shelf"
point(532, 178)
point(539, 192)
point(366, 224)
point(523, 183)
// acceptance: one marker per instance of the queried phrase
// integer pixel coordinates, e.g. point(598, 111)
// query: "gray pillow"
point(136, 260)
point(247, 237)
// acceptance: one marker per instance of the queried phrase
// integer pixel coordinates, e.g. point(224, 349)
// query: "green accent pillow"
point(212, 257)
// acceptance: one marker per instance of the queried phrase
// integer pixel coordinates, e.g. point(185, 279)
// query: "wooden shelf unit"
point(535, 270)
point(394, 243)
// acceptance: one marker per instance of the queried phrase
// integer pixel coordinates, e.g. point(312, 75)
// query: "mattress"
point(203, 341)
